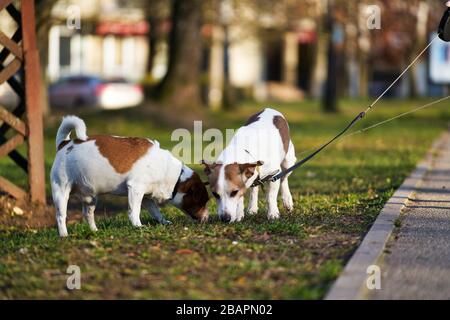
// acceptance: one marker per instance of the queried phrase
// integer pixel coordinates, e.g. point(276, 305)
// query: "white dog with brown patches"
point(259, 148)
point(136, 167)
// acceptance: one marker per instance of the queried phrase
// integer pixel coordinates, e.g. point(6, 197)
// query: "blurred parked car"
point(79, 91)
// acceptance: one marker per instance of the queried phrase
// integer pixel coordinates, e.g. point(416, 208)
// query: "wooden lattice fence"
point(19, 67)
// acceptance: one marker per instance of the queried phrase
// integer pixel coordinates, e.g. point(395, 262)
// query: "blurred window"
point(274, 58)
point(116, 80)
point(79, 80)
point(64, 51)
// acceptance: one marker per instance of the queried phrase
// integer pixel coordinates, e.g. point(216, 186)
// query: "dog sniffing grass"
point(336, 198)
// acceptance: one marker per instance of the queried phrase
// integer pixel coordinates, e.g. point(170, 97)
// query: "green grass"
point(337, 196)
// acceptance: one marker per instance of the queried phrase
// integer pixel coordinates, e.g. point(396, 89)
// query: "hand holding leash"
point(444, 25)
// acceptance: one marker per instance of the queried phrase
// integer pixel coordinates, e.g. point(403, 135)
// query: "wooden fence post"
point(26, 63)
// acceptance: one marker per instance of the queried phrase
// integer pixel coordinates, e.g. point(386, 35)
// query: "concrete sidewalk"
point(410, 239)
point(416, 261)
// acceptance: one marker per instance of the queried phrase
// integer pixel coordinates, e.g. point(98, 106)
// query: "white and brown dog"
point(259, 148)
point(137, 167)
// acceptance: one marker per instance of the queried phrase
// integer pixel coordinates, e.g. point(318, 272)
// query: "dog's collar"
point(258, 177)
point(258, 174)
point(174, 192)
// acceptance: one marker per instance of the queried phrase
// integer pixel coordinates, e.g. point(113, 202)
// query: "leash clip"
point(270, 177)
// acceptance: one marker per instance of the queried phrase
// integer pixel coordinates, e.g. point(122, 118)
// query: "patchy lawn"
point(337, 196)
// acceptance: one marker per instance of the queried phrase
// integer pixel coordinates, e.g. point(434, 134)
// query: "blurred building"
point(109, 40)
point(269, 57)
point(278, 55)
point(112, 41)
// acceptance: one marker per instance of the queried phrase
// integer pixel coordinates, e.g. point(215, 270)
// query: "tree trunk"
point(228, 99)
point(330, 94)
point(419, 41)
point(43, 58)
point(181, 84)
point(319, 68)
point(152, 42)
point(329, 103)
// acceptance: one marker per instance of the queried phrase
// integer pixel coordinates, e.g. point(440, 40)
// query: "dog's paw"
point(137, 224)
point(252, 211)
point(288, 204)
point(63, 232)
point(273, 215)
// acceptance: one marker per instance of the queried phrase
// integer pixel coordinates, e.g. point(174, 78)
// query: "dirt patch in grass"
point(26, 215)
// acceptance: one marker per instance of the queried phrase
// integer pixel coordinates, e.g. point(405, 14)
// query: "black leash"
point(276, 176)
point(307, 158)
point(443, 34)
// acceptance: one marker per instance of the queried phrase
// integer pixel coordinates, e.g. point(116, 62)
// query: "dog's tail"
point(68, 124)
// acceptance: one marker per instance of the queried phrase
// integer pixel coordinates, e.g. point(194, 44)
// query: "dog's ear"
point(207, 168)
point(248, 169)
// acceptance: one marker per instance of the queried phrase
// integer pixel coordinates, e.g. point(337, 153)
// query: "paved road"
point(417, 262)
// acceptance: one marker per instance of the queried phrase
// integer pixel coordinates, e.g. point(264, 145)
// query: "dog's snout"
point(204, 215)
point(225, 217)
